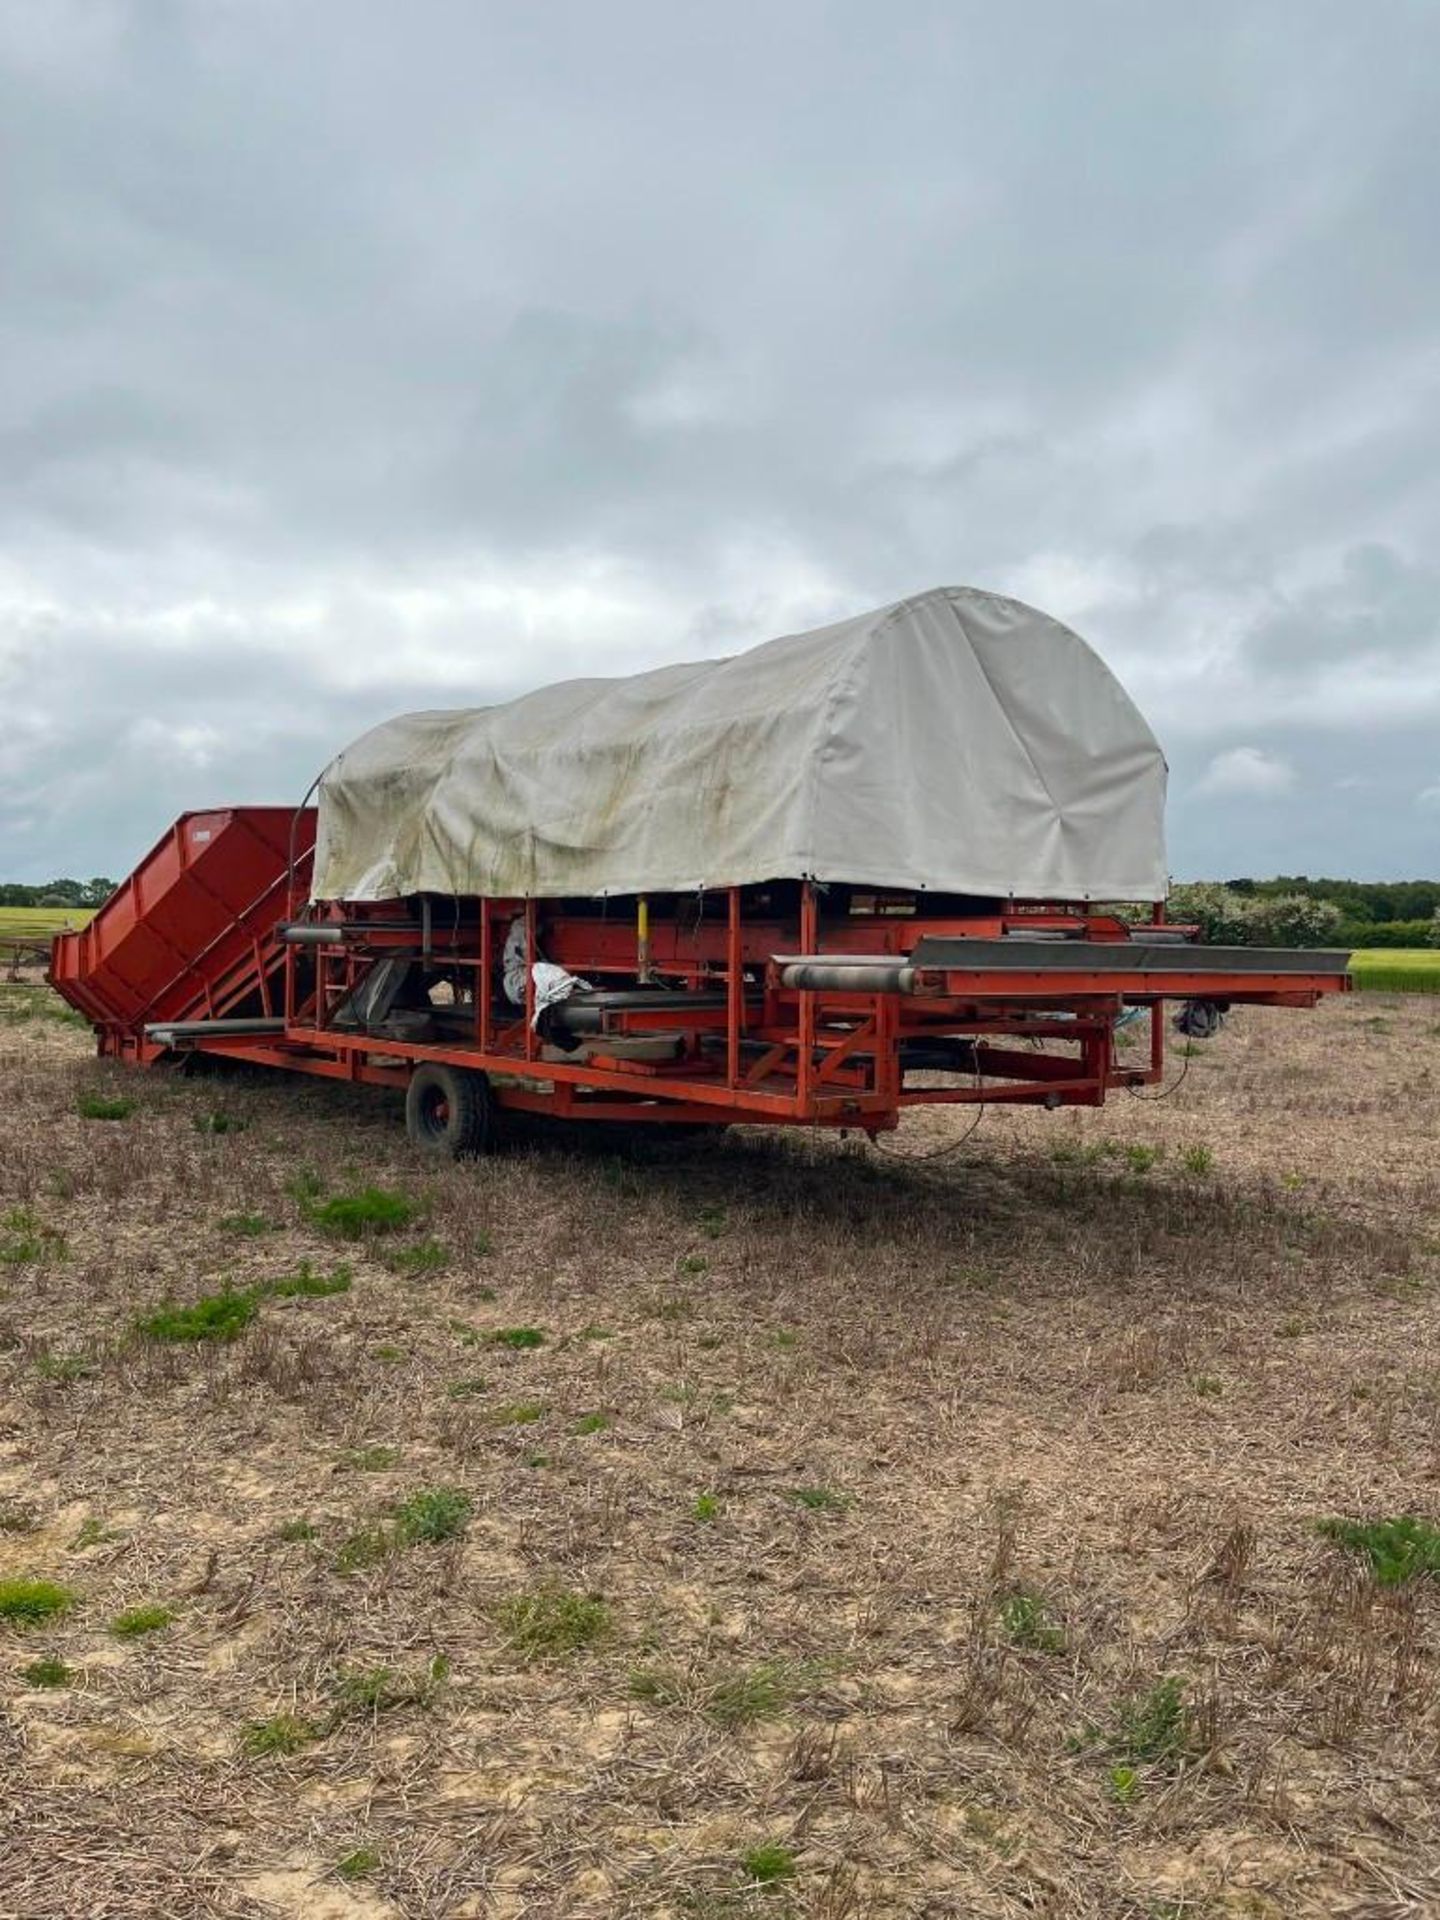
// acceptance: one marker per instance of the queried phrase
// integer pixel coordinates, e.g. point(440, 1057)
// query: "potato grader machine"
point(914, 858)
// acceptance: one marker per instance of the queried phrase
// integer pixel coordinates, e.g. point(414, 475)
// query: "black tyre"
point(1200, 1019)
point(449, 1112)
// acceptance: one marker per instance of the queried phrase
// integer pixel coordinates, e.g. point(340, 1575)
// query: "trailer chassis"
point(805, 1021)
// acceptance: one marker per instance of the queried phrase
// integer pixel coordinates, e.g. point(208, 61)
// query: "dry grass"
point(1061, 1637)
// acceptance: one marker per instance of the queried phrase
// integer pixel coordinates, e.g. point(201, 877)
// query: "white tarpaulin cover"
point(954, 741)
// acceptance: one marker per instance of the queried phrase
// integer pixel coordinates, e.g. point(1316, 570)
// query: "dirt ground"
point(863, 1537)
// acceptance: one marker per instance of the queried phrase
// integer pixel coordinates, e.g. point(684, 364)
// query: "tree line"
point(1362, 902)
point(1296, 911)
point(1289, 911)
point(57, 893)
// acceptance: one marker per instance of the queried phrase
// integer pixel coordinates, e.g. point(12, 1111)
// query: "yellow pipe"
point(642, 940)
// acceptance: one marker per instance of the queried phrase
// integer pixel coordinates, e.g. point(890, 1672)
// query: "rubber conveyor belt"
point(1079, 964)
point(1096, 958)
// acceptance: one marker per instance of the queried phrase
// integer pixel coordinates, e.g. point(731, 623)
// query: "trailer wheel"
point(449, 1112)
point(1201, 1019)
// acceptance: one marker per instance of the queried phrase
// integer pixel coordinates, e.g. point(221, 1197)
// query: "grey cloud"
point(1379, 604)
point(355, 359)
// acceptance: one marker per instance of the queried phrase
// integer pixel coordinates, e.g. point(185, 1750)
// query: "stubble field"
point(763, 1528)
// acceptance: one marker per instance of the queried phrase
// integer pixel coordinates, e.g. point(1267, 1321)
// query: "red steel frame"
point(783, 1055)
point(750, 1048)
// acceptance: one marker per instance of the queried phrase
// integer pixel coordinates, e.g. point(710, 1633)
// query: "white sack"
point(954, 741)
point(552, 984)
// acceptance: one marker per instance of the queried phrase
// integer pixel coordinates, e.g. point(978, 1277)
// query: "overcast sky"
point(361, 356)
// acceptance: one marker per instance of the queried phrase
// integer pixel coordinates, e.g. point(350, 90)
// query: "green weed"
point(434, 1514)
point(1153, 1725)
point(363, 1214)
point(1123, 1784)
point(372, 1691)
point(25, 1241)
point(359, 1865)
point(97, 1106)
point(64, 1366)
point(818, 1499)
point(426, 1256)
point(292, 1531)
point(216, 1316)
point(92, 1532)
point(1027, 1622)
point(706, 1508)
point(245, 1226)
point(551, 1620)
point(591, 1423)
point(220, 1123)
point(768, 1863)
point(282, 1733)
point(365, 1548)
point(743, 1695)
point(305, 1283)
point(47, 1673)
point(467, 1389)
point(518, 1339)
point(1397, 1550)
point(658, 1687)
point(29, 1601)
point(523, 1414)
point(1197, 1160)
point(136, 1621)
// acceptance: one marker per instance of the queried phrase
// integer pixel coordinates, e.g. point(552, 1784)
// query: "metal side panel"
point(185, 933)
